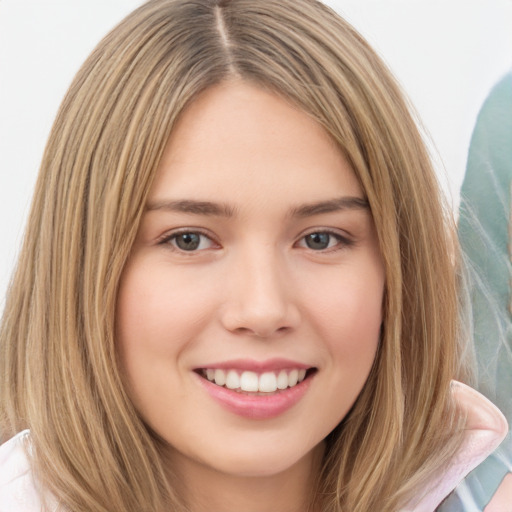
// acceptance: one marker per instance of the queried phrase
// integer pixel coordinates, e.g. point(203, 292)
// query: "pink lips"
point(257, 406)
point(258, 366)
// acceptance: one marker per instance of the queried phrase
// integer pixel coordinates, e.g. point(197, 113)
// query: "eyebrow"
point(225, 210)
point(332, 205)
point(193, 207)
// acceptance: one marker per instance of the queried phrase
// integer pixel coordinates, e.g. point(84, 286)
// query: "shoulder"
point(485, 428)
point(17, 487)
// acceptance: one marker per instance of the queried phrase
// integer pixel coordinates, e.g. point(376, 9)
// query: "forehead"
point(237, 138)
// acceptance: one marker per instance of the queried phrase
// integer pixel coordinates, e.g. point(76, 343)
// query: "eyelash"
point(343, 242)
point(169, 238)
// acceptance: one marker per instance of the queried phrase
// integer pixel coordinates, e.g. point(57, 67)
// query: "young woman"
point(237, 289)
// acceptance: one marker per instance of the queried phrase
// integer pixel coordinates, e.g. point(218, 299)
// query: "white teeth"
point(232, 380)
point(293, 377)
point(249, 381)
point(282, 380)
point(220, 377)
point(267, 382)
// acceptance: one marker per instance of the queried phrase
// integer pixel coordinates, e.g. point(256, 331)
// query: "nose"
point(259, 298)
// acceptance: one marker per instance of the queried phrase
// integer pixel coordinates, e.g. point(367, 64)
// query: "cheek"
point(353, 307)
point(348, 317)
point(157, 319)
point(158, 309)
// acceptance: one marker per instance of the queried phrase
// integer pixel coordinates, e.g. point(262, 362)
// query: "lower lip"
point(257, 407)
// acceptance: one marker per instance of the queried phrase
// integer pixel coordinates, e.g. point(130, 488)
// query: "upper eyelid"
point(342, 235)
point(168, 235)
point(344, 239)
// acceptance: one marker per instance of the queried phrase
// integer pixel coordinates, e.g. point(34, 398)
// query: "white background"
point(447, 54)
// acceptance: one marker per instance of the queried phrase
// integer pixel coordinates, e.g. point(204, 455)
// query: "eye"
point(188, 241)
point(323, 240)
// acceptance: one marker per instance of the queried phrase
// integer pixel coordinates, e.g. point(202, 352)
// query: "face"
point(249, 311)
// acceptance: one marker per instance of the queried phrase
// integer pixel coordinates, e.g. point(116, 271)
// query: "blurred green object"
point(485, 233)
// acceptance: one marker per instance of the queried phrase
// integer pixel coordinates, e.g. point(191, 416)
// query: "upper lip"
point(268, 365)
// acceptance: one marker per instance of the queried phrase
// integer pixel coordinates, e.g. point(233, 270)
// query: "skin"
point(253, 289)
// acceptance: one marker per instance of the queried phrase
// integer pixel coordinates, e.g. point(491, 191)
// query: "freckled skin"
point(252, 286)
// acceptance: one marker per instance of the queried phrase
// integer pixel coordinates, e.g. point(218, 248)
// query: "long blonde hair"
point(59, 372)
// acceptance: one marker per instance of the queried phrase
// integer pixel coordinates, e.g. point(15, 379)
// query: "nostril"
point(262, 332)
point(259, 311)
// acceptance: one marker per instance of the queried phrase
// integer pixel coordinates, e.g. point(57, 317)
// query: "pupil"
point(188, 241)
point(318, 240)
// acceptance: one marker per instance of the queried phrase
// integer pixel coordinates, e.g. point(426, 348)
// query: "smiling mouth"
point(249, 382)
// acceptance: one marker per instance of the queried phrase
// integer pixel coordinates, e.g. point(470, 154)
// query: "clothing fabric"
point(486, 427)
point(18, 489)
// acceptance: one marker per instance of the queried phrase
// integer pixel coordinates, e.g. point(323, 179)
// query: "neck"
point(205, 489)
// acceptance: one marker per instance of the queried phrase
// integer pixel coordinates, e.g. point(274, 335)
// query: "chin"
point(267, 462)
